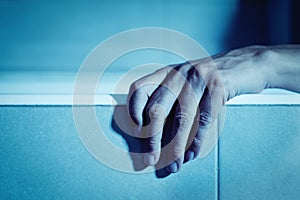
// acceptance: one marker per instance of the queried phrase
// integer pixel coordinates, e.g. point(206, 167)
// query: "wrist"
point(282, 67)
point(269, 60)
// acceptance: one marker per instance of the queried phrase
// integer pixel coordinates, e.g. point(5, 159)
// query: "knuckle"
point(183, 119)
point(205, 119)
point(157, 111)
point(165, 69)
point(205, 67)
point(135, 85)
point(197, 141)
point(215, 82)
point(153, 145)
point(183, 68)
point(153, 142)
point(197, 82)
point(195, 74)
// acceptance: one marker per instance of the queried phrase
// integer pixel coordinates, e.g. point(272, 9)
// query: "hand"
point(191, 94)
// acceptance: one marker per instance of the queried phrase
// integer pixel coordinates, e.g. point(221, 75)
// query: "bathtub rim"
point(265, 98)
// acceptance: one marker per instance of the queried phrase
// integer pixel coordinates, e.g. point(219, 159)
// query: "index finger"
point(139, 93)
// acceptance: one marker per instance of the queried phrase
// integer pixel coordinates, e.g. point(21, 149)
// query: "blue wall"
point(60, 34)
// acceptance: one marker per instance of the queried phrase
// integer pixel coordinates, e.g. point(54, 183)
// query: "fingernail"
point(173, 167)
point(149, 159)
point(189, 155)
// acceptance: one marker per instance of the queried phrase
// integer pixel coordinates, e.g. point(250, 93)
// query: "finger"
point(200, 126)
point(157, 115)
point(210, 105)
point(139, 93)
point(183, 121)
point(158, 108)
point(161, 165)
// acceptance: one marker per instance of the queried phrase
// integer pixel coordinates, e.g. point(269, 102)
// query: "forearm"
point(284, 67)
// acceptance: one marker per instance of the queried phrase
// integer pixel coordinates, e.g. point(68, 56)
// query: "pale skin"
point(194, 92)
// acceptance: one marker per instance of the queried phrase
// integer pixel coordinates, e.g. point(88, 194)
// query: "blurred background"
point(57, 35)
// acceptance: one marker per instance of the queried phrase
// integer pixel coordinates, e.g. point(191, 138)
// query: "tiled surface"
point(259, 153)
point(42, 157)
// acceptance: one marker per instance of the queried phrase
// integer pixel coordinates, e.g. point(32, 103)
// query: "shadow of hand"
point(136, 145)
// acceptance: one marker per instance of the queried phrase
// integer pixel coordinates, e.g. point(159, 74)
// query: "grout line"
point(217, 162)
point(217, 171)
